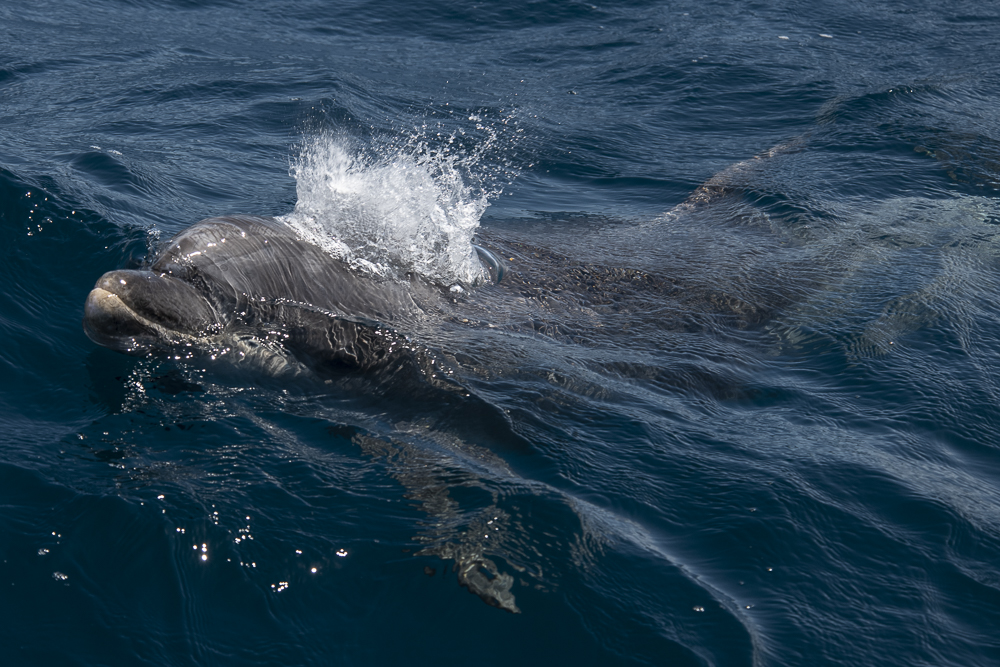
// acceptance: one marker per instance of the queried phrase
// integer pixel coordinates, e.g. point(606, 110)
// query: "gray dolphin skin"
point(244, 273)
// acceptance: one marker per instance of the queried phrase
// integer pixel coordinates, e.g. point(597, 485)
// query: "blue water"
point(760, 430)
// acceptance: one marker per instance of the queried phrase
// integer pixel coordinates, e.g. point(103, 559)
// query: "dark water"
point(757, 430)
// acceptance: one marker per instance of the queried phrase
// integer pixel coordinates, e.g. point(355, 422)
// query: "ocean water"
point(750, 423)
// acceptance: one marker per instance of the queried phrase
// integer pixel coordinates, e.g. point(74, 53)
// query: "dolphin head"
point(136, 311)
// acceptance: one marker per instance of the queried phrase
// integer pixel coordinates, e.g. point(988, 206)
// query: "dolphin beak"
point(134, 311)
point(109, 322)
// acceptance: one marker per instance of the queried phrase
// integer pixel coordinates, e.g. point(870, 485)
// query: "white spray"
point(392, 209)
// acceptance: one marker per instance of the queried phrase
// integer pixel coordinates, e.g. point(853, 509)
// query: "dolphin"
point(245, 276)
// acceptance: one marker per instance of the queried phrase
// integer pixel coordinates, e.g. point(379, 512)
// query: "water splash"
point(409, 206)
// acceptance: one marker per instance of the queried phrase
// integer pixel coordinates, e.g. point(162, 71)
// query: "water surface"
point(756, 430)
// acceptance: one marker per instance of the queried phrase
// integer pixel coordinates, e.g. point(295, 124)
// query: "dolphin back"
point(249, 263)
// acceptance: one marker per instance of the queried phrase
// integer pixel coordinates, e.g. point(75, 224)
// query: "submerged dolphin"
point(253, 277)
